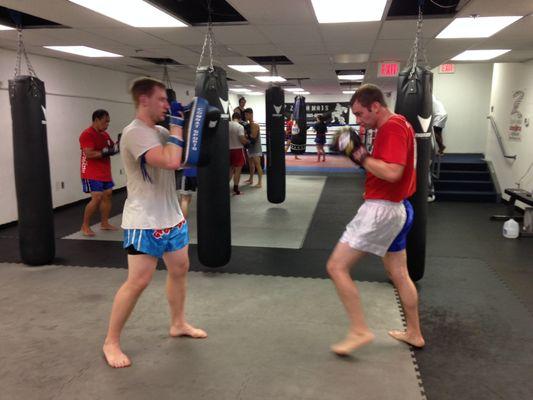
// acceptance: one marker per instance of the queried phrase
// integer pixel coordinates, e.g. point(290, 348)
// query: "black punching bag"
point(213, 215)
point(299, 113)
point(275, 136)
point(171, 96)
point(32, 170)
point(414, 101)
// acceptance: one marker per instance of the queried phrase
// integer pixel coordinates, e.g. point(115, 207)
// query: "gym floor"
point(269, 332)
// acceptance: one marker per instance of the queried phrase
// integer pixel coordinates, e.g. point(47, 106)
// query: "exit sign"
point(447, 69)
point(388, 69)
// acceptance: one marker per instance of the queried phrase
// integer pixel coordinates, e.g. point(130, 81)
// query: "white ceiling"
point(276, 27)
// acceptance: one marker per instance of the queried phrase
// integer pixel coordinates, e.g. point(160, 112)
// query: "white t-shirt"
point(151, 203)
point(236, 131)
point(439, 113)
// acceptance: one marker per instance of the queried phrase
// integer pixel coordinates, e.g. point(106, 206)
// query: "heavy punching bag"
point(275, 136)
point(299, 113)
point(32, 170)
point(213, 206)
point(414, 101)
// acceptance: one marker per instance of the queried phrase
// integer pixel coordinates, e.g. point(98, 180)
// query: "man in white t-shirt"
point(440, 116)
point(237, 140)
point(154, 226)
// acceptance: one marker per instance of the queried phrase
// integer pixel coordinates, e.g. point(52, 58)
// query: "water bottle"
point(511, 229)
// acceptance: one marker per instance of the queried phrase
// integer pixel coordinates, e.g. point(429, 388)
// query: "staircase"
point(465, 177)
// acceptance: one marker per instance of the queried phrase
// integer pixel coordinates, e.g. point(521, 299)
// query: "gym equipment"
point(299, 139)
point(275, 137)
point(414, 102)
point(32, 168)
point(213, 215)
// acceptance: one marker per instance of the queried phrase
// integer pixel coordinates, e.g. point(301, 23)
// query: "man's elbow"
point(173, 164)
point(394, 177)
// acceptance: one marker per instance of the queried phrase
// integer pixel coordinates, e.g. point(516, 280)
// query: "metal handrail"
point(499, 137)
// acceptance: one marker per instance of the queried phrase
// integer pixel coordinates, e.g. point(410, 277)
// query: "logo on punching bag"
point(225, 110)
point(424, 124)
point(43, 122)
point(277, 109)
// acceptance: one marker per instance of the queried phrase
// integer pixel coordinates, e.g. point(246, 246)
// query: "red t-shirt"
point(95, 168)
point(394, 143)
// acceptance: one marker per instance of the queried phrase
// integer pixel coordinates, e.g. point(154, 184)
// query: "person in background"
point(255, 151)
point(241, 108)
point(237, 140)
point(95, 165)
point(440, 117)
point(321, 129)
point(187, 184)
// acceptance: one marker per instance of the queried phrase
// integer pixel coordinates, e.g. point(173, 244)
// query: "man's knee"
point(139, 283)
point(179, 270)
point(335, 268)
point(97, 197)
point(107, 194)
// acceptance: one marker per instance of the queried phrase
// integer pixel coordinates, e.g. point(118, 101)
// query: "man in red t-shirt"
point(95, 166)
point(381, 224)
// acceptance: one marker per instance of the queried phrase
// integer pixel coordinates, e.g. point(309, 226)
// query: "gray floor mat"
point(254, 221)
point(269, 339)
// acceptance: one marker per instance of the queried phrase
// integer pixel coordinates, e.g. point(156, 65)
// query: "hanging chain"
point(209, 39)
point(418, 46)
point(21, 51)
point(166, 77)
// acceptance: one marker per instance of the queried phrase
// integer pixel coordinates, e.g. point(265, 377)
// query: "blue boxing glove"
point(176, 119)
point(176, 114)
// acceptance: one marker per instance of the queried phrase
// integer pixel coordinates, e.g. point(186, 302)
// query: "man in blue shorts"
point(95, 167)
point(154, 226)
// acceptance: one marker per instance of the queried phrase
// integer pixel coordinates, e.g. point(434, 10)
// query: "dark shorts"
point(156, 242)
point(236, 157)
point(91, 185)
point(400, 242)
point(186, 184)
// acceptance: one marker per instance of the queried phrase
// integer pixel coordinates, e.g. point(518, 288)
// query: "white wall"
point(257, 103)
point(466, 97)
point(74, 91)
point(507, 79)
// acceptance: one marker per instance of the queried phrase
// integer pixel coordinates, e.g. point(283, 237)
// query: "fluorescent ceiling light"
point(240, 90)
point(475, 27)
point(335, 11)
point(348, 91)
point(248, 68)
point(351, 77)
point(269, 78)
point(254, 93)
point(292, 89)
point(136, 13)
point(479, 55)
point(303, 93)
point(5, 28)
point(83, 51)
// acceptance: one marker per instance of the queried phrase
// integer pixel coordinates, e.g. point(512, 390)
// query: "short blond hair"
point(144, 86)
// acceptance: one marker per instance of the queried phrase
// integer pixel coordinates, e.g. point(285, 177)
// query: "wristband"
point(176, 141)
point(174, 120)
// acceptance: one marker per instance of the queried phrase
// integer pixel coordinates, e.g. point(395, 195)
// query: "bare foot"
point(86, 231)
point(187, 330)
point(108, 227)
point(352, 342)
point(402, 336)
point(258, 186)
point(114, 356)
